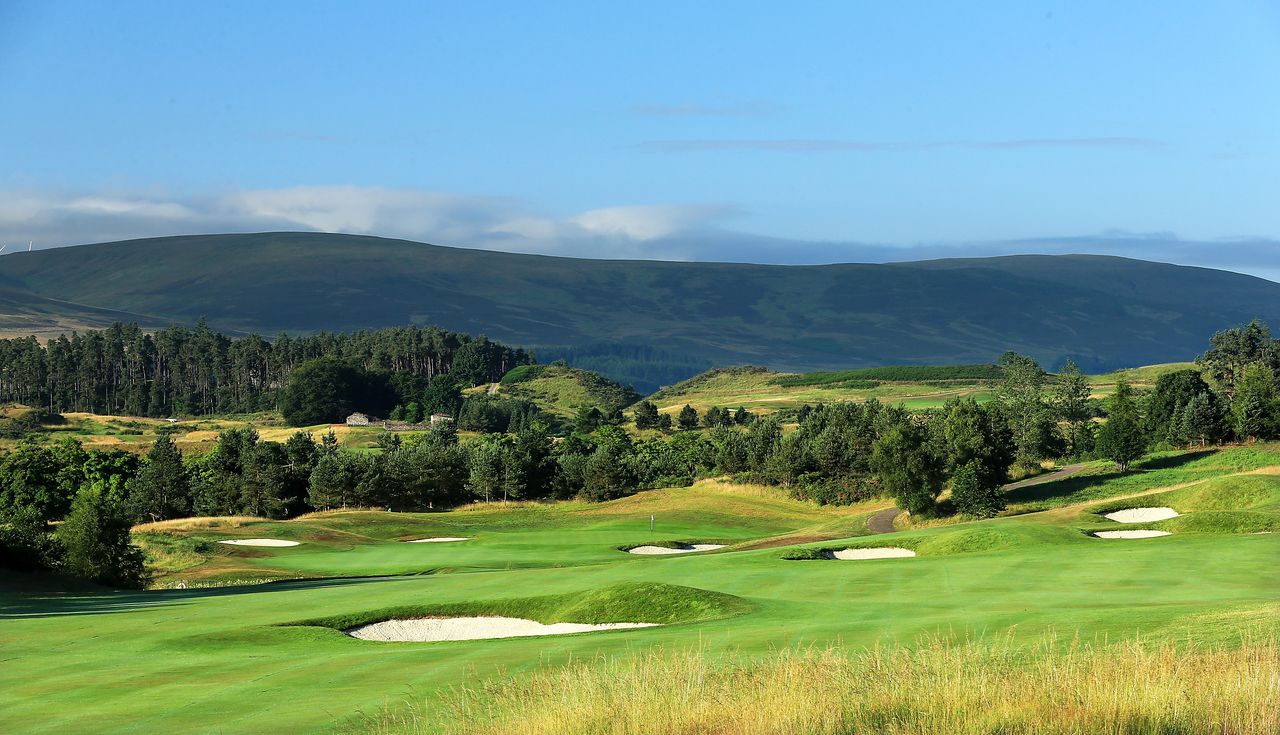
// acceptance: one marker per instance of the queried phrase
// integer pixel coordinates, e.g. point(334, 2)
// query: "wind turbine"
point(29, 244)
point(2, 247)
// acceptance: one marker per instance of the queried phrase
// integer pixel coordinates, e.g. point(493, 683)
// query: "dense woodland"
point(838, 453)
point(181, 371)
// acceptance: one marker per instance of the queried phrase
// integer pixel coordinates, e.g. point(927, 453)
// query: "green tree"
point(973, 495)
point(688, 418)
point(1071, 404)
point(664, 422)
point(1256, 408)
point(906, 467)
point(333, 482)
point(96, 538)
point(1233, 350)
point(977, 436)
point(322, 391)
point(646, 415)
point(162, 488)
point(1021, 394)
point(1121, 439)
point(1201, 420)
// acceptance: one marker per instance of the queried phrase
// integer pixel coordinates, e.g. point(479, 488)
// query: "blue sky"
point(804, 132)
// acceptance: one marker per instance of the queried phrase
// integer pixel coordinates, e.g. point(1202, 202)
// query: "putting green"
point(220, 660)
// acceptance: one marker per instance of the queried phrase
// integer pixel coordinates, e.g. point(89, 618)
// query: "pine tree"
point(1256, 408)
point(162, 488)
point(646, 415)
point(688, 419)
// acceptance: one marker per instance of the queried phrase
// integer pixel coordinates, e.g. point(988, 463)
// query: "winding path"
point(882, 522)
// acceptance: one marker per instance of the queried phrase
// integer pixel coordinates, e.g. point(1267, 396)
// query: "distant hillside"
point(563, 390)
point(1105, 312)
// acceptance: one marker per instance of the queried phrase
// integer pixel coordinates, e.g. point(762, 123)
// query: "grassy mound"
point(636, 602)
point(1221, 521)
point(562, 390)
point(971, 540)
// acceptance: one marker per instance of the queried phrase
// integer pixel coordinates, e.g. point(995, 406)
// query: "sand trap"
point(1131, 534)
point(683, 549)
point(1142, 515)
point(879, 552)
point(438, 540)
point(258, 542)
point(472, 629)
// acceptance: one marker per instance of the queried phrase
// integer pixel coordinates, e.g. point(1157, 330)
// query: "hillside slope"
point(1106, 312)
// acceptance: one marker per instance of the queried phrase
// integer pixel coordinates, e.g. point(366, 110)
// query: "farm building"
point(359, 419)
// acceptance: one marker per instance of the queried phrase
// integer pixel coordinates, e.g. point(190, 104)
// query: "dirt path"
point(882, 522)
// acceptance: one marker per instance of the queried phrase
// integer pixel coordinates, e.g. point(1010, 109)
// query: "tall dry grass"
point(982, 686)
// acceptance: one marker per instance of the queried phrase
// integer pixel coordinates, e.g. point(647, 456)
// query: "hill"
point(1106, 312)
point(562, 390)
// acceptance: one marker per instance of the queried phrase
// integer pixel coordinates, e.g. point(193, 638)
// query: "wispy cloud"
point(646, 231)
point(739, 108)
point(820, 145)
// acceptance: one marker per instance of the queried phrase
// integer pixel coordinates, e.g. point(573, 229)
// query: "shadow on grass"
point(1079, 485)
point(82, 599)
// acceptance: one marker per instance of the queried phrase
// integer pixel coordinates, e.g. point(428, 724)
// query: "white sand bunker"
point(1131, 534)
point(879, 552)
point(681, 549)
point(258, 542)
point(472, 629)
point(1142, 515)
point(438, 540)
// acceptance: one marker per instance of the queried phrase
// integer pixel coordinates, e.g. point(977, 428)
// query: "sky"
point(802, 132)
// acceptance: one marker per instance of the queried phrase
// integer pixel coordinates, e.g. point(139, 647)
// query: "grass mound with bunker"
point(635, 602)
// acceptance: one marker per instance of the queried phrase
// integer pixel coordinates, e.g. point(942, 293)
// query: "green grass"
point(227, 660)
point(764, 391)
point(561, 390)
point(1163, 470)
point(620, 603)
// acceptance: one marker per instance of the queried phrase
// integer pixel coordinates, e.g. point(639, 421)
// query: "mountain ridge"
point(1104, 311)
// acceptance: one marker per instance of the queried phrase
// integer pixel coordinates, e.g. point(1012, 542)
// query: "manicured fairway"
point(216, 660)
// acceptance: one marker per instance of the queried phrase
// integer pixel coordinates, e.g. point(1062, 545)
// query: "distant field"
point(764, 391)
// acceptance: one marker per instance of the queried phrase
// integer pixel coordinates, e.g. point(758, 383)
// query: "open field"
point(223, 659)
point(765, 391)
point(191, 435)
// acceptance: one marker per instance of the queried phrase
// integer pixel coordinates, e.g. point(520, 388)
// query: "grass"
point(979, 687)
point(764, 391)
point(561, 390)
point(1162, 470)
point(621, 603)
point(226, 659)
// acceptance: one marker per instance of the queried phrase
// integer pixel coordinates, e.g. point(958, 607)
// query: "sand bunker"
point(1131, 534)
point(682, 549)
point(879, 552)
point(1142, 515)
point(438, 540)
point(471, 629)
point(258, 542)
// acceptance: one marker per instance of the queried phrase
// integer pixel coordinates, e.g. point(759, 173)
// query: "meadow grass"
point(977, 687)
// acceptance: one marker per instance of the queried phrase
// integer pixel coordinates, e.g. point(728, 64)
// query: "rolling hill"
point(1106, 312)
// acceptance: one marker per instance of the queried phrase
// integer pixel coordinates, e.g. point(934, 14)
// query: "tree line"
point(197, 371)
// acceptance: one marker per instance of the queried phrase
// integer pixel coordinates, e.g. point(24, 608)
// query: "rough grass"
point(979, 687)
point(619, 603)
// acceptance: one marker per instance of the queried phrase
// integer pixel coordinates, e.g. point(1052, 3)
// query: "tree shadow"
point(81, 599)
point(1074, 484)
